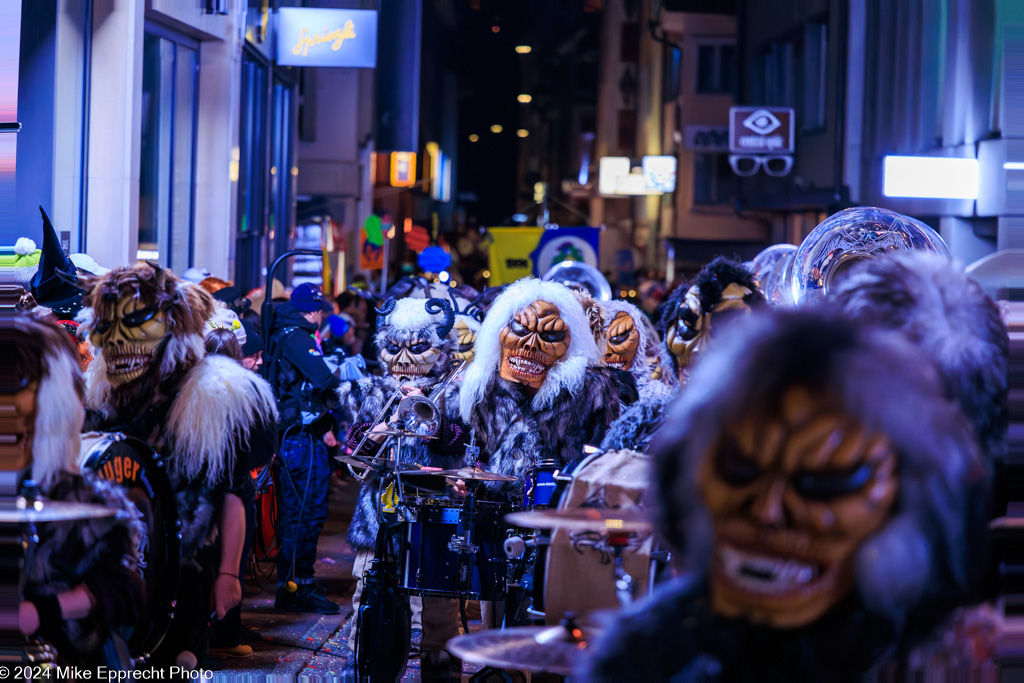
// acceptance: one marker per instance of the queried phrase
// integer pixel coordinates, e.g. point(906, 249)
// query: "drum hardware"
point(41, 510)
point(466, 474)
point(536, 649)
point(624, 586)
point(515, 546)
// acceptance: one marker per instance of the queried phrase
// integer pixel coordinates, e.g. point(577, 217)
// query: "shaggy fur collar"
point(218, 403)
point(566, 375)
point(58, 421)
point(514, 436)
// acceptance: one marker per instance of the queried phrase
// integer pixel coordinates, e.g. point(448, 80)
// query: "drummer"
point(82, 585)
point(537, 389)
point(415, 339)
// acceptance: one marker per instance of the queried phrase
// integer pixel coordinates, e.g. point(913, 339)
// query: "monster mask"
point(792, 496)
point(533, 341)
point(467, 340)
point(623, 341)
point(411, 338)
point(137, 312)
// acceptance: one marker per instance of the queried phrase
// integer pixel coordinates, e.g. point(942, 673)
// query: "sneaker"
point(236, 652)
point(415, 641)
point(308, 598)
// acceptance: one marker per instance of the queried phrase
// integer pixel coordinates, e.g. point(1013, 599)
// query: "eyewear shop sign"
point(327, 37)
point(761, 130)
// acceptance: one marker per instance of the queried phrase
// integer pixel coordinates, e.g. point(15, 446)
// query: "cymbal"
point(50, 511)
point(538, 649)
point(466, 474)
point(630, 520)
point(378, 464)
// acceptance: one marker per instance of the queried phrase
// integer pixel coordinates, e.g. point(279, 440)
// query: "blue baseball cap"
point(307, 298)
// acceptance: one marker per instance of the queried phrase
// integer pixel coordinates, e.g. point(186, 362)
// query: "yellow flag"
point(510, 250)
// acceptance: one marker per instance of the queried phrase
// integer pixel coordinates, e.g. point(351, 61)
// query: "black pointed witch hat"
point(53, 284)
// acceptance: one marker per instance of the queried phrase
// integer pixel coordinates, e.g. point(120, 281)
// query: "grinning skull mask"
point(145, 315)
point(536, 335)
point(721, 289)
point(413, 337)
point(466, 328)
point(817, 463)
point(535, 339)
point(623, 341)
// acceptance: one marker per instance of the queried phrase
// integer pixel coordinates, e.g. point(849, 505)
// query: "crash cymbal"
point(50, 511)
point(583, 519)
point(538, 649)
point(466, 474)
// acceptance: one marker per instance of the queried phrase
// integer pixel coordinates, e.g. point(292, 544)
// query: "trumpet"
point(416, 416)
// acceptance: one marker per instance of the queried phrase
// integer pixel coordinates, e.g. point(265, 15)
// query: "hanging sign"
point(565, 244)
point(371, 244)
point(327, 37)
point(509, 253)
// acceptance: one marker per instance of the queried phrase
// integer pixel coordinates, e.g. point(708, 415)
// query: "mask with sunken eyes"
point(623, 341)
point(534, 340)
point(129, 338)
point(792, 497)
point(467, 339)
point(691, 332)
point(409, 359)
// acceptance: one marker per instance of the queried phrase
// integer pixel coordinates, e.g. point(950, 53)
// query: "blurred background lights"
point(522, 132)
point(474, 137)
point(524, 98)
point(496, 128)
point(523, 49)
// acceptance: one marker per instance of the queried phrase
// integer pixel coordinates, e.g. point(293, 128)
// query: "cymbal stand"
point(624, 585)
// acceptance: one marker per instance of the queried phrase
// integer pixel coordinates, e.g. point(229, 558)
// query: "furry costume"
point(947, 315)
point(201, 412)
point(908, 574)
point(573, 407)
point(101, 554)
point(402, 323)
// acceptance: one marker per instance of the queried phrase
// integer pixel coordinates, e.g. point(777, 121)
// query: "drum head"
point(134, 466)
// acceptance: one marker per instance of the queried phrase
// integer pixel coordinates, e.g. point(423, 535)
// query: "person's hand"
point(227, 593)
point(28, 618)
point(377, 434)
point(410, 390)
point(330, 440)
point(458, 488)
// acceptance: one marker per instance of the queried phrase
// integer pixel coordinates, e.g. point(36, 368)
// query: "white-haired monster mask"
point(412, 335)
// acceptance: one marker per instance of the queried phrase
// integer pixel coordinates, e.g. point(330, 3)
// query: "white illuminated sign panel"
point(930, 177)
point(610, 170)
point(327, 37)
point(659, 174)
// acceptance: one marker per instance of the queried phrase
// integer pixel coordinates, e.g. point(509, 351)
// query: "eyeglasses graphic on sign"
point(776, 166)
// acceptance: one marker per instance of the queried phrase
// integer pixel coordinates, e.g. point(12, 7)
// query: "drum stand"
point(624, 586)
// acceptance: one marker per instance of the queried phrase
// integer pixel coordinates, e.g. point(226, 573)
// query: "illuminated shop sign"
point(761, 130)
point(327, 37)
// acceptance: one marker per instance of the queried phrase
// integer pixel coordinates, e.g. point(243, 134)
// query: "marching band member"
point(536, 389)
point(692, 319)
point(415, 340)
point(828, 500)
point(630, 346)
point(150, 380)
point(82, 585)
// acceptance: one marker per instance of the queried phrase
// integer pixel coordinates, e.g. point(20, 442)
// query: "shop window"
point(712, 179)
point(716, 68)
point(170, 87)
point(812, 106)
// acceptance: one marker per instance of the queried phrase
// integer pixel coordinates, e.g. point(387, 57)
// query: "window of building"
point(716, 68)
point(712, 179)
point(170, 88)
point(815, 48)
point(672, 72)
point(253, 170)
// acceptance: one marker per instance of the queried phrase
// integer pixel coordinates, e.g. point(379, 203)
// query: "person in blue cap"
point(305, 388)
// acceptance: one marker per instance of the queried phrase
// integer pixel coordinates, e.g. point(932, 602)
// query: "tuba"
point(842, 239)
point(773, 269)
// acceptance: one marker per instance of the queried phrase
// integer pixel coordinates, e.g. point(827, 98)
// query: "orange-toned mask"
point(692, 331)
point(534, 340)
point(792, 497)
point(623, 341)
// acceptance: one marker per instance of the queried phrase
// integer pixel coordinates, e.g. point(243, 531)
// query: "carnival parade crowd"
point(758, 480)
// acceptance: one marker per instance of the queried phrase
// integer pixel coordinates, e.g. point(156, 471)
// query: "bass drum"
point(138, 469)
point(578, 570)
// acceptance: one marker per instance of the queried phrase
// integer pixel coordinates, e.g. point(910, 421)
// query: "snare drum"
point(430, 565)
point(138, 469)
point(540, 485)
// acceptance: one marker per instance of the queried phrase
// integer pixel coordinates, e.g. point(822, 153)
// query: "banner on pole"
point(566, 244)
point(509, 254)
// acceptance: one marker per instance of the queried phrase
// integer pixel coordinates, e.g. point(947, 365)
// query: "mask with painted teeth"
point(534, 340)
point(792, 497)
point(623, 341)
point(409, 359)
point(130, 338)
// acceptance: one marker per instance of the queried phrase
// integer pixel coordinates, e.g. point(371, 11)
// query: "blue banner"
point(566, 244)
point(327, 37)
